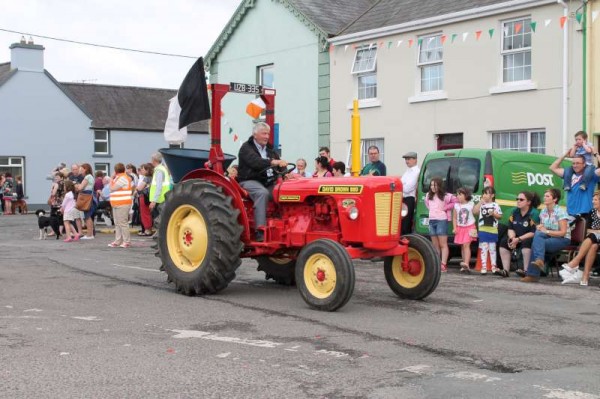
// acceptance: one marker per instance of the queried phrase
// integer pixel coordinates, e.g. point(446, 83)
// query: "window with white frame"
point(266, 76)
point(101, 142)
point(13, 165)
point(365, 67)
point(364, 153)
point(516, 50)
point(430, 62)
point(102, 167)
point(520, 140)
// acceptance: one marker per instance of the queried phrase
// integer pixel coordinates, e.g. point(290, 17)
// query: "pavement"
point(84, 320)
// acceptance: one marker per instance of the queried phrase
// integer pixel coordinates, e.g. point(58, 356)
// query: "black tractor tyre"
point(403, 283)
point(325, 275)
point(199, 238)
point(282, 270)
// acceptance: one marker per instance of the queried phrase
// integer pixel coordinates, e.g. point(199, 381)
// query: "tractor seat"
point(239, 188)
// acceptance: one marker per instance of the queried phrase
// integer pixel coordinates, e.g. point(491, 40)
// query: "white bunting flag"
point(430, 40)
point(345, 48)
point(595, 15)
point(547, 22)
point(399, 43)
point(465, 35)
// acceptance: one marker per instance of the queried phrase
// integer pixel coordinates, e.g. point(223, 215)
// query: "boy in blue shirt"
point(584, 148)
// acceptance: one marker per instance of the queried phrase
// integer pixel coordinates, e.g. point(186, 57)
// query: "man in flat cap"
point(410, 180)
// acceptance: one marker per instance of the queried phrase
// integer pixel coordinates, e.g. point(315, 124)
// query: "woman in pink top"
point(440, 205)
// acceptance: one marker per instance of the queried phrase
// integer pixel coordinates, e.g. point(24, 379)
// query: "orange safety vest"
point(123, 195)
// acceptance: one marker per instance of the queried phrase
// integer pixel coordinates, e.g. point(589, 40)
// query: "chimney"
point(27, 56)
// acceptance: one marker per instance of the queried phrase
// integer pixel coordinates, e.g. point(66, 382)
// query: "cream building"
point(498, 74)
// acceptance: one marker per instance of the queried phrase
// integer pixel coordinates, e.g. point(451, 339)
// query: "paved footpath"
point(84, 320)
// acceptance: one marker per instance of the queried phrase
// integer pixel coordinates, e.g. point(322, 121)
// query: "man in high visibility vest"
point(161, 184)
point(121, 200)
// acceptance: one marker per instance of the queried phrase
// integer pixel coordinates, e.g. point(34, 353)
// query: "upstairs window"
point(520, 140)
point(266, 76)
point(101, 142)
point(364, 67)
point(516, 50)
point(430, 63)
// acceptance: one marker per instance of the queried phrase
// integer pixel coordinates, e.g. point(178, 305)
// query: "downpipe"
point(565, 77)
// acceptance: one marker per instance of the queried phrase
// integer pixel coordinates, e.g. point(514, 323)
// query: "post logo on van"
point(540, 179)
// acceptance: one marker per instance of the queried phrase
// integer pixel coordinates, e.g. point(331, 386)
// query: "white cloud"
point(187, 27)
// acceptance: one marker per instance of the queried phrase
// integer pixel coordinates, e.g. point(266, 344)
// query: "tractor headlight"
point(404, 211)
point(352, 213)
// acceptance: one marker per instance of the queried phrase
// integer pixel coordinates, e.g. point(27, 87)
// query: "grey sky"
point(187, 27)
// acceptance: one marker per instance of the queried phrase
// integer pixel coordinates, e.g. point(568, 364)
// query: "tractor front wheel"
point(279, 269)
point(199, 238)
point(421, 276)
point(325, 275)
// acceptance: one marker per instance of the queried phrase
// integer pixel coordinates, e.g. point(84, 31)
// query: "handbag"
point(84, 201)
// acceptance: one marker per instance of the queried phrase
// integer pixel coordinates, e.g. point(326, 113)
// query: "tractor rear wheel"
point(325, 275)
point(423, 271)
point(279, 269)
point(199, 238)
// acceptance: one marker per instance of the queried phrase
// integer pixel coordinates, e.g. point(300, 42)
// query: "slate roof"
point(332, 16)
point(395, 12)
point(5, 72)
point(126, 107)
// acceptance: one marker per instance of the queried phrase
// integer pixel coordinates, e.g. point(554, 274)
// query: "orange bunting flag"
point(563, 21)
point(256, 107)
point(478, 34)
point(380, 44)
point(444, 37)
point(235, 138)
point(354, 46)
point(410, 42)
point(518, 27)
point(331, 48)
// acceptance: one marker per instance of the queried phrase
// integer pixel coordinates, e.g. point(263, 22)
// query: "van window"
point(454, 172)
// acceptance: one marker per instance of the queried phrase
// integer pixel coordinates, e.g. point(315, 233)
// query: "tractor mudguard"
point(231, 189)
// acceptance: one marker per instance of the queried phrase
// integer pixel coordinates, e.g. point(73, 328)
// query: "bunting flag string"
point(517, 28)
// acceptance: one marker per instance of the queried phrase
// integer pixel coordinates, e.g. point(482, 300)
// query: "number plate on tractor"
point(245, 88)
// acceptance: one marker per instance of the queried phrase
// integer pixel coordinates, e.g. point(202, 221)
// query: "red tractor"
point(315, 227)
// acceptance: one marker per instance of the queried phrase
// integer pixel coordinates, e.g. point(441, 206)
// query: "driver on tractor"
point(255, 174)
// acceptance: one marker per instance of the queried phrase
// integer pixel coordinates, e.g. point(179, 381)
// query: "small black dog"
point(54, 221)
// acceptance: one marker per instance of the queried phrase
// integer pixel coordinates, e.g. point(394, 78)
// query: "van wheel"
point(421, 276)
point(279, 269)
point(325, 275)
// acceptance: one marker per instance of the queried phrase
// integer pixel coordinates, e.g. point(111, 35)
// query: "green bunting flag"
point(230, 130)
point(454, 36)
point(491, 32)
point(533, 26)
point(420, 41)
point(389, 44)
point(579, 16)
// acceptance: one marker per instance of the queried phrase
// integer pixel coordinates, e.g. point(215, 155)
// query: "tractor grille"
point(387, 213)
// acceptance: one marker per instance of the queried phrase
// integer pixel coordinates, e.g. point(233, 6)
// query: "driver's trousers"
point(260, 196)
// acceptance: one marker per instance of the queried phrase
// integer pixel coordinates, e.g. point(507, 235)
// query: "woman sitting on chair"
point(521, 229)
point(588, 248)
point(552, 234)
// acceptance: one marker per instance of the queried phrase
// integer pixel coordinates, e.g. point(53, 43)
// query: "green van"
point(509, 172)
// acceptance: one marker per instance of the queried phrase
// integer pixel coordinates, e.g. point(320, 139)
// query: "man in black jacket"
point(255, 157)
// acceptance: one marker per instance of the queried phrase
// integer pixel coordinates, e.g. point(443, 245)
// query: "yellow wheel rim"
point(280, 261)
point(405, 279)
point(187, 238)
point(320, 276)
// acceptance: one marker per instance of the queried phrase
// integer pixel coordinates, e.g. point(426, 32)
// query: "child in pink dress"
point(465, 231)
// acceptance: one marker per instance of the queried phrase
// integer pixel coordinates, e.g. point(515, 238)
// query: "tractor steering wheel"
point(290, 167)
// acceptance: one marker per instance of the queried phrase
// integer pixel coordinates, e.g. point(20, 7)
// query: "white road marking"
point(87, 318)
point(292, 349)
point(478, 300)
point(223, 355)
point(331, 353)
point(416, 369)
point(21, 317)
point(139, 268)
point(558, 393)
point(33, 310)
point(206, 335)
point(8, 306)
point(64, 353)
point(468, 375)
